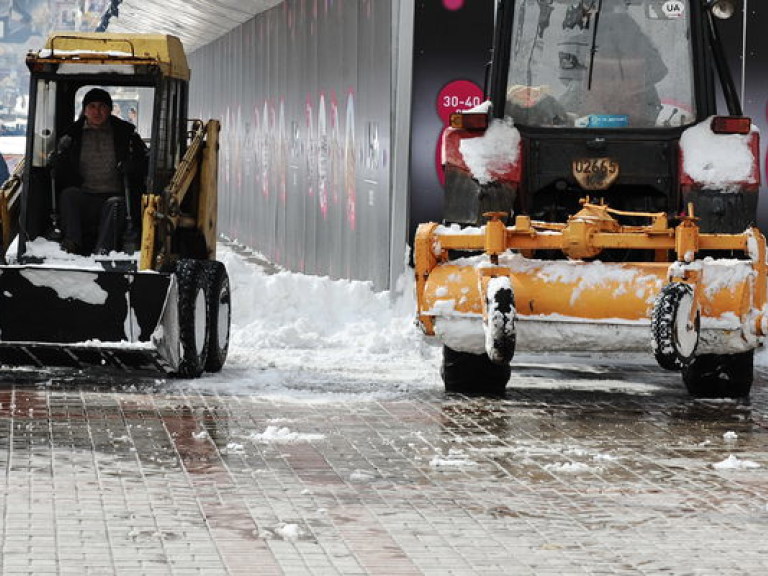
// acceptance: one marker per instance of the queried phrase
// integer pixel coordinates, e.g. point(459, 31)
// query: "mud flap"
point(73, 317)
point(466, 200)
point(723, 212)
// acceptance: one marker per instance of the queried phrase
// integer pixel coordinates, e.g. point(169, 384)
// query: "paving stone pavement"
point(585, 470)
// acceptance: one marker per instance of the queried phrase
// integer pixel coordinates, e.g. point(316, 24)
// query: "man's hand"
point(62, 150)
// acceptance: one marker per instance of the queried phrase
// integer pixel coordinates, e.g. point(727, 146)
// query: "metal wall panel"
point(304, 93)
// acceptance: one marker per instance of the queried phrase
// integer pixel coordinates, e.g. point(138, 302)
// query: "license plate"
point(595, 173)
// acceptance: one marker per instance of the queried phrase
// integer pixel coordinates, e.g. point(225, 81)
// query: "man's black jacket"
point(130, 152)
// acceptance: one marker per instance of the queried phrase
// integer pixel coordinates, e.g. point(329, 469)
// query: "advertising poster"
point(452, 45)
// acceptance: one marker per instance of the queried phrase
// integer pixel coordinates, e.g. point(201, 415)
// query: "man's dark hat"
point(97, 95)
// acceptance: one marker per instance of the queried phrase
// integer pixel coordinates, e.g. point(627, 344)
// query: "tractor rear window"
point(601, 64)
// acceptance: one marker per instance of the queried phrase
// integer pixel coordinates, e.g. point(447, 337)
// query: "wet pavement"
point(583, 468)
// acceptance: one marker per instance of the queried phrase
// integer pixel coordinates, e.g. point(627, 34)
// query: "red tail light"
point(469, 120)
point(731, 125)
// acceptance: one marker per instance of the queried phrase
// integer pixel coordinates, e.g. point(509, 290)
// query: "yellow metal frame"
point(200, 163)
point(587, 233)
point(161, 50)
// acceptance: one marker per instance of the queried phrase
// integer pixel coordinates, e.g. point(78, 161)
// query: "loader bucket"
point(75, 317)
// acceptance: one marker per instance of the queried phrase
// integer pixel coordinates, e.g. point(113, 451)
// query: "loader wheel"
point(220, 315)
point(720, 375)
point(675, 338)
point(500, 337)
point(193, 317)
point(468, 373)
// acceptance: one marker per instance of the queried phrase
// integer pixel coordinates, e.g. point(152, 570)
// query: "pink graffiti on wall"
point(330, 157)
point(310, 144)
point(238, 152)
point(335, 149)
point(350, 164)
point(322, 158)
point(282, 154)
point(267, 129)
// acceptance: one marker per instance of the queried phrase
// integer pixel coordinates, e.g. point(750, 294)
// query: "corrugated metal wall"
point(304, 94)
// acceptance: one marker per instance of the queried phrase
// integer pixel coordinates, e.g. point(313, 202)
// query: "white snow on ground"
point(301, 337)
point(734, 463)
point(282, 435)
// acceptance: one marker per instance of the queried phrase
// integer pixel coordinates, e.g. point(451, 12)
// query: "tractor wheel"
point(473, 373)
point(720, 375)
point(220, 315)
point(675, 338)
point(500, 337)
point(193, 317)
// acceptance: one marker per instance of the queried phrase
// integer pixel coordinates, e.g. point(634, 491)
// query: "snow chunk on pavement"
point(282, 435)
point(733, 463)
point(455, 458)
point(568, 467)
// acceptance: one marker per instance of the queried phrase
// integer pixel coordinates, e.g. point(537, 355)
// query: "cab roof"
point(161, 50)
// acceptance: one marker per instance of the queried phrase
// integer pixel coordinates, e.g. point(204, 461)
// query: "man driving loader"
point(101, 168)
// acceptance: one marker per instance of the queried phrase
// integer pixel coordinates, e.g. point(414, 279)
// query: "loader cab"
point(145, 91)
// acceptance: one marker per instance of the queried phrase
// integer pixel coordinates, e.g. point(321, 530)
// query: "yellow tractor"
point(598, 202)
point(160, 300)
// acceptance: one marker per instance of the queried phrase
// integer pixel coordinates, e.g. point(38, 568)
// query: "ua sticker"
point(673, 8)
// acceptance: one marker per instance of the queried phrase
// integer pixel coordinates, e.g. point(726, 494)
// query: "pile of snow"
point(306, 336)
point(734, 463)
point(282, 434)
point(717, 160)
point(493, 153)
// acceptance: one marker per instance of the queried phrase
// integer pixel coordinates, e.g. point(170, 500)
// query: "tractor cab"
point(147, 79)
point(611, 64)
point(599, 95)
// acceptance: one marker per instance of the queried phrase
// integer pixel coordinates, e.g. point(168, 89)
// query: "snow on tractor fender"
point(678, 310)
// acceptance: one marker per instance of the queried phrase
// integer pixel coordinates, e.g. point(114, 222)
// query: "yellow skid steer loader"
point(160, 300)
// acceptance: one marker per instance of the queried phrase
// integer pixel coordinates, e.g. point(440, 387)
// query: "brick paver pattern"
point(568, 474)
